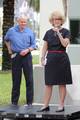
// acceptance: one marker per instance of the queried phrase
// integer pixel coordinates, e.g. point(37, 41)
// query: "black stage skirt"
point(57, 69)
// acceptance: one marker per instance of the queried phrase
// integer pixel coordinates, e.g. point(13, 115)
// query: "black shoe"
point(60, 109)
point(14, 104)
point(44, 109)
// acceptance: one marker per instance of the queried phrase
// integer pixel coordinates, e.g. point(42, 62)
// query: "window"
point(75, 31)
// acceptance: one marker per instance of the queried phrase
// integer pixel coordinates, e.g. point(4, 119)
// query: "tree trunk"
point(8, 21)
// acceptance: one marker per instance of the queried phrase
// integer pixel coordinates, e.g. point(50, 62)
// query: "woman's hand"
point(42, 61)
point(44, 51)
point(64, 41)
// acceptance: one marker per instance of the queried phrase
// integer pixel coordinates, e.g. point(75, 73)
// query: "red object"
point(56, 51)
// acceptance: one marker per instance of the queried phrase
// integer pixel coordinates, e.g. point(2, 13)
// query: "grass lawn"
point(0, 60)
point(5, 89)
point(6, 85)
point(35, 59)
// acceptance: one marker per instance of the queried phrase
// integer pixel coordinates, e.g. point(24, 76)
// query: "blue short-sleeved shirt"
point(20, 40)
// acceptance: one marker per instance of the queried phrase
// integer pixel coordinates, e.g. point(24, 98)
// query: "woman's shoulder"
point(49, 31)
point(65, 30)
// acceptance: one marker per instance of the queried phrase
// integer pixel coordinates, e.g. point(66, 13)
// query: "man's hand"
point(24, 52)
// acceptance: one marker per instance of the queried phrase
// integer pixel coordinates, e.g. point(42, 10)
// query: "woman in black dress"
point(57, 68)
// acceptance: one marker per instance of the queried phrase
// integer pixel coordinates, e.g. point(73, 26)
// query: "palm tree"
point(8, 21)
point(35, 4)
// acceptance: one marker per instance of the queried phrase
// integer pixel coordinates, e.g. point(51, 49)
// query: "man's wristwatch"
point(29, 50)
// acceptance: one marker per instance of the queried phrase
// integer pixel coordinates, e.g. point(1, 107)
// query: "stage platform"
point(30, 113)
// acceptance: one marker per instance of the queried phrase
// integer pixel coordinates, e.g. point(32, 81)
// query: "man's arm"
point(8, 47)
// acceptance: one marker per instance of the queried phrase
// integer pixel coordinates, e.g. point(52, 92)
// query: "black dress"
point(57, 68)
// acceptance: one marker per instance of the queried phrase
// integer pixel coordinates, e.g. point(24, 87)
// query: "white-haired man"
point(20, 41)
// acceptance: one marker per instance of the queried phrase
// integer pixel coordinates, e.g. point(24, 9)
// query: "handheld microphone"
point(55, 31)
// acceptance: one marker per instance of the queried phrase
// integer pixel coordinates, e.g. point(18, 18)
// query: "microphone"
point(55, 31)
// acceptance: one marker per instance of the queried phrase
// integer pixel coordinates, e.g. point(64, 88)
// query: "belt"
point(15, 52)
point(56, 51)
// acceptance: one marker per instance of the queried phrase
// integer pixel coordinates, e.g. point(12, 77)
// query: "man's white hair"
point(22, 15)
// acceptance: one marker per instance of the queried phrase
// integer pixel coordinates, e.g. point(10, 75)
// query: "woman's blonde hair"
point(56, 14)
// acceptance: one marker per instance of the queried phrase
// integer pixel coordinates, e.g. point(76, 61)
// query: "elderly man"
point(20, 41)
